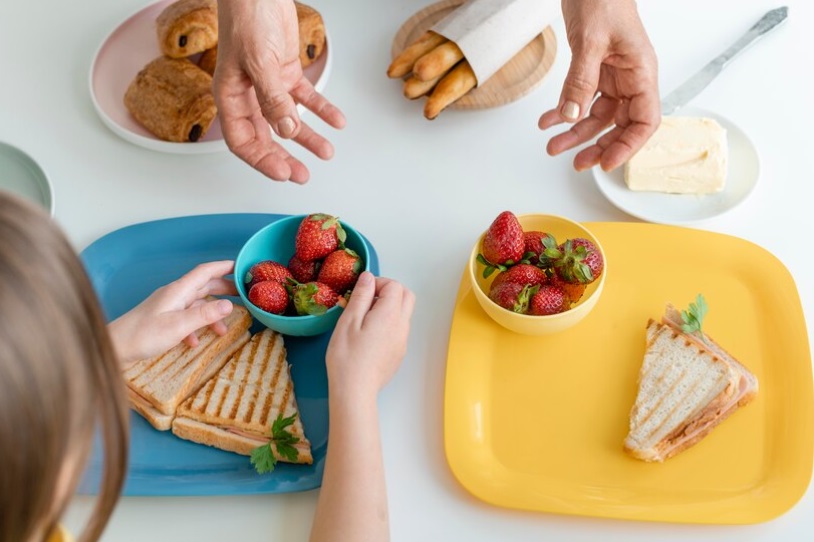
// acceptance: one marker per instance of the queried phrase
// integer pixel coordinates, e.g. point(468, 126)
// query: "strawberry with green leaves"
point(270, 296)
point(263, 457)
point(266, 270)
point(521, 273)
point(533, 245)
point(317, 236)
point(576, 260)
point(312, 298)
point(502, 244)
point(340, 269)
point(548, 299)
point(513, 296)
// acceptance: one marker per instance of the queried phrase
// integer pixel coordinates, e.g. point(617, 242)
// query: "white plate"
point(742, 176)
point(127, 49)
point(20, 174)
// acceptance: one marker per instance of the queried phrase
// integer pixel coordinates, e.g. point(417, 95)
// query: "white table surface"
point(422, 191)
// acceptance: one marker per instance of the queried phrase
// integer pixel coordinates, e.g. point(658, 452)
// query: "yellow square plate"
point(537, 423)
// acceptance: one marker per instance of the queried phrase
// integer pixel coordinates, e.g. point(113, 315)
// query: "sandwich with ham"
point(157, 385)
point(249, 407)
point(688, 384)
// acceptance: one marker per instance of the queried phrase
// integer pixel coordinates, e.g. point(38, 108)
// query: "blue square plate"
point(125, 266)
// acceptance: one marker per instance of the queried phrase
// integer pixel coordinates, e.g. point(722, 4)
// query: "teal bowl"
point(276, 242)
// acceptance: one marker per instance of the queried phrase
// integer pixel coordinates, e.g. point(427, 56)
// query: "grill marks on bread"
point(677, 381)
point(236, 408)
point(251, 390)
point(686, 388)
point(169, 378)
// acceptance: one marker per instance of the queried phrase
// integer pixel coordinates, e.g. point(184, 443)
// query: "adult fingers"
point(249, 138)
point(314, 142)
point(644, 114)
point(305, 94)
point(625, 146)
point(581, 81)
point(600, 118)
point(277, 105)
point(550, 118)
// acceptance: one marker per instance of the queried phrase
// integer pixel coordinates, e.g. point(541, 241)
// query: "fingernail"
point(365, 278)
point(570, 110)
point(285, 128)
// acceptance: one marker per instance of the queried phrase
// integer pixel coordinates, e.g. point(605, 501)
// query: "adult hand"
point(259, 81)
point(175, 312)
point(613, 60)
point(370, 338)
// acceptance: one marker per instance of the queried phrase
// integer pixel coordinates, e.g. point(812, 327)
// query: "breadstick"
point(460, 80)
point(403, 63)
point(438, 61)
point(415, 88)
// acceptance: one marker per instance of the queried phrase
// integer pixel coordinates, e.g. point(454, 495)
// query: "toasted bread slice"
point(235, 409)
point(163, 422)
point(160, 383)
point(686, 388)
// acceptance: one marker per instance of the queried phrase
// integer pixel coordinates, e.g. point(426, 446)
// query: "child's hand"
point(370, 338)
point(174, 312)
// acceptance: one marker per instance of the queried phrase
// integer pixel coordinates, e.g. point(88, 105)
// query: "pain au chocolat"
point(172, 98)
point(187, 27)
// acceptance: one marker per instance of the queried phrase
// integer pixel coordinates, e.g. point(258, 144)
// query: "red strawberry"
point(313, 298)
point(303, 271)
point(317, 236)
point(340, 269)
point(533, 245)
point(270, 296)
point(572, 291)
point(266, 270)
point(513, 296)
point(502, 244)
point(522, 273)
point(548, 299)
point(579, 260)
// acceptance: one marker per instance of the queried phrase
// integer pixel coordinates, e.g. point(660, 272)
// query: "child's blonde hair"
point(59, 379)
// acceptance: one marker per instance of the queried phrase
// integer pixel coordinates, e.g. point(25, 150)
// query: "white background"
point(422, 192)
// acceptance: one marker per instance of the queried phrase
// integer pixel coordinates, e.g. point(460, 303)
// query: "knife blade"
point(698, 82)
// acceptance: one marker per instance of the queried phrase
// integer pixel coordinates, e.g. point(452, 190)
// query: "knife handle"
point(770, 20)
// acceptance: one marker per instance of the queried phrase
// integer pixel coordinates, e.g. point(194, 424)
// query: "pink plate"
point(126, 51)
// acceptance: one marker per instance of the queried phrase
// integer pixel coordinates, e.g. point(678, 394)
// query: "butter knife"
point(698, 82)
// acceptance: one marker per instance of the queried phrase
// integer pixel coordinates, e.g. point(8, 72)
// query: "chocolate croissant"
point(172, 98)
point(187, 27)
point(312, 33)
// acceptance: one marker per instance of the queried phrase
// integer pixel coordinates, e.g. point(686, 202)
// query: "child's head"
point(59, 379)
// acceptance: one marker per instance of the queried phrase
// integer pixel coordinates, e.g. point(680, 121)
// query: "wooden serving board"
point(522, 74)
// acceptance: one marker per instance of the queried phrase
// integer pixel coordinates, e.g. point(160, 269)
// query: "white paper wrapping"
point(491, 32)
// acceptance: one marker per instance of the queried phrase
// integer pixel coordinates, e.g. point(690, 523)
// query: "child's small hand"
point(370, 338)
point(174, 313)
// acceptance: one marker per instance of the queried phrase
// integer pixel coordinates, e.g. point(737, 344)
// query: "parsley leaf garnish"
point(694, 317)
point(263, 457)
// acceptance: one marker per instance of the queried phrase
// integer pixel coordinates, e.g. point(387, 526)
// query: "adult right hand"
point(258, 83)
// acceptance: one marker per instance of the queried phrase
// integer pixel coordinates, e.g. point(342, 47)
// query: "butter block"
point(686, 155)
